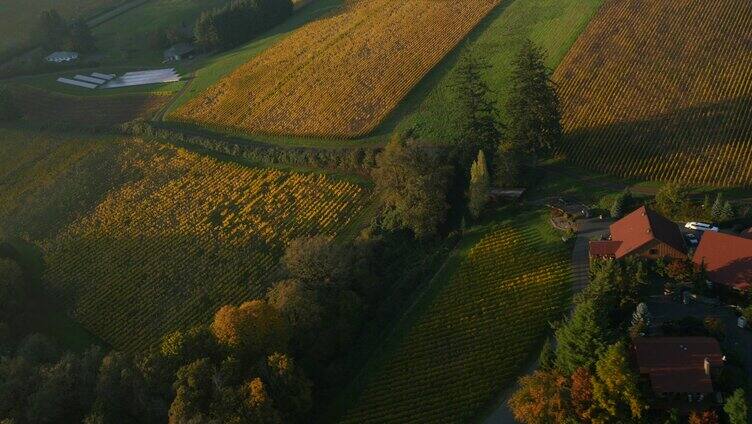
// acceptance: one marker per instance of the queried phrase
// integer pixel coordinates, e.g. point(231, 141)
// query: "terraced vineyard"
point(172, 235)
point(662, 90)
point(474, 335)
point(60, 110)
point(339, 76)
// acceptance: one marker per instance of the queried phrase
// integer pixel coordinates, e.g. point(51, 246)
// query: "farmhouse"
point(642, 233)
point(727, 259)
point(178, 52)
point(679, 365)
point(60, 57)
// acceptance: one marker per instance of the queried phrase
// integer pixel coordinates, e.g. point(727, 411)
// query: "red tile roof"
point(727, 259)
point(604, 248)
point(643, 226)
point(677, 364)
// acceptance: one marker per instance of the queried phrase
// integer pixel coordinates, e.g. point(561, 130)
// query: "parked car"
point(691, 239)
point(700, 226)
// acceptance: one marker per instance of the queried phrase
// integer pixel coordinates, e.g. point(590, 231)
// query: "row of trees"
point(238, 22)
point(56, 33)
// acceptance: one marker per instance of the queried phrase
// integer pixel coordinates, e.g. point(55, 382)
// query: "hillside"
point(131, 229)
point(472, 332)
point(662, 90)
point(339, 76)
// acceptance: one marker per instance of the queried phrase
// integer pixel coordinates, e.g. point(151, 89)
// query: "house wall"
point(657, 249)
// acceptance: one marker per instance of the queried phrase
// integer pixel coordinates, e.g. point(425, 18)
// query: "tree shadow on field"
point(697, 134)
point(418, 94)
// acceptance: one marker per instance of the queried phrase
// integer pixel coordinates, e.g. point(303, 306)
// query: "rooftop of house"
point(727, 259)
point(62, 56)
point(635, 231)
point(677, 364)
point(179, 49)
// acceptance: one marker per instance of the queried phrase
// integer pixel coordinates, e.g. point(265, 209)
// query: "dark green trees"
point(413, 180)
point(534, 117)
point(238, 22)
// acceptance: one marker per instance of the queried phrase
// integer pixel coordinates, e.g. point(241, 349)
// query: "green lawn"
point(551, 24)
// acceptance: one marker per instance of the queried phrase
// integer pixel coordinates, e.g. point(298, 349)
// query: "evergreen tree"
point(479, 186)
point(736, 407)
point(581, 339)
point(478, 122)
point(547, 356)
point(715, 212)
point(80, 38)
point(727, 212)
point(621, 202)
point(533, 107)
point(53, 30)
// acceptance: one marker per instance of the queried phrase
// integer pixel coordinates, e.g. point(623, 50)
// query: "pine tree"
point(479, 186)
point(547, 356)
point(715, 212)
point(478, 118)
point(533, 107)
point(727, 212)
point(736, 407)
point(581, 339)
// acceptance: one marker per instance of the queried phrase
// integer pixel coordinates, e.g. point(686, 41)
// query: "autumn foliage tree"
point(253, 328)
point(542, 398)
point(704, 417)
point(616, 396)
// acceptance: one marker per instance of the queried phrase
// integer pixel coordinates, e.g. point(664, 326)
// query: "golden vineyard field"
point(339, 76)
point(662, 89)
point(473, 337)
point(173, 237)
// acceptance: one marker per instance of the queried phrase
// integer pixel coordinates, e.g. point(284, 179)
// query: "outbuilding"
point(61, 57)
point(178, 52)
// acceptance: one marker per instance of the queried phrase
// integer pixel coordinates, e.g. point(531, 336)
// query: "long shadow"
point(690, 131)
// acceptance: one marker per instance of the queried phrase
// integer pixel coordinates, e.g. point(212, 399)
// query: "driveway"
point(588, 229)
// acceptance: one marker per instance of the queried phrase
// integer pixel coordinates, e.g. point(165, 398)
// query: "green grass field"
point(551, 24)
point(18, 17)
point(124, 39)
point(468, 335)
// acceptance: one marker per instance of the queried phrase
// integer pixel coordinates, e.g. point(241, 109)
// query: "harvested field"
point(662, 90)
point(339, 76)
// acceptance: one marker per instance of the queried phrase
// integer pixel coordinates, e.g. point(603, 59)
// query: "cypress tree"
point(479, 185)
point(533, 107)
point(715, 212)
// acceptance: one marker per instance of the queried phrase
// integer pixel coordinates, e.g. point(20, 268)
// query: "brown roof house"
point(727, 259)
point(644, 233)
point(679, 365)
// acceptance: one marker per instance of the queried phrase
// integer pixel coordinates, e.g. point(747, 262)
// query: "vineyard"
point(473, 336)
point(61, 110)
point(339, 76)
point(662, 90)
point(164, 236)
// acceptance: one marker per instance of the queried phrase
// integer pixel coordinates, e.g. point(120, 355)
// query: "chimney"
point(706, 365)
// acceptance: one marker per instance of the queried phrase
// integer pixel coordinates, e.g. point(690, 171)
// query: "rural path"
point(588, 229)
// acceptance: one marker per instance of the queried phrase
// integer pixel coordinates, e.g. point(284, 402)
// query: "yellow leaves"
point(645, 96)
point(339, 76)
point(183, 236)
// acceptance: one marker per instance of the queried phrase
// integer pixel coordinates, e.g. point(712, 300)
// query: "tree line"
point(56, 33)
point(238, 22)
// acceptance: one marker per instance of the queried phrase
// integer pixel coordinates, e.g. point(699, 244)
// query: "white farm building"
point(60, 57)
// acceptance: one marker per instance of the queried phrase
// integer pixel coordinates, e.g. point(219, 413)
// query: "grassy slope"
point(123, 39)
point(416, 319)
point(552, 24)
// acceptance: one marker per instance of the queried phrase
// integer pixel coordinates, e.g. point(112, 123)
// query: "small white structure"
point(76, 83)
point(156, 76)
point(61, 57)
